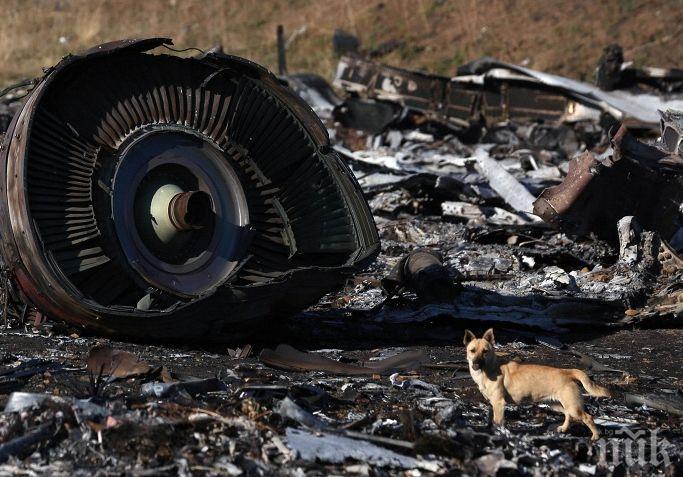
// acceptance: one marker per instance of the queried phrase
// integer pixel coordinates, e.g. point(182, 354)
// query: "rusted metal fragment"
point(107, 139)
point(423, 272)
point(637, 109)
point(460, 100)
point(554, 203)
point(666, 306)
point(106, 361)
point(638, 180)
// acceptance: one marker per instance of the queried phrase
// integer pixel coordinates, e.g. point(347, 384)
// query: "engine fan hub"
point(190, 210)
point(179, 211)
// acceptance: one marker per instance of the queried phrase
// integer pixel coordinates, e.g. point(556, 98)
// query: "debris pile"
point(506, 197)
point(480, 191)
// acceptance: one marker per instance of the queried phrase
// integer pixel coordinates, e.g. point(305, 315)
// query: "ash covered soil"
point(236, 429)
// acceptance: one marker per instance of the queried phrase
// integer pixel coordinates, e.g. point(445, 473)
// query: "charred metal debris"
point(491, 91)
point(493, 148)
point(494, 155)
point(169, 199)
point(145, 192)
point(503, 197)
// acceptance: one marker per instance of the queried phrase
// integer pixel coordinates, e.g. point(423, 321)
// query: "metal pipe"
point(281, 51)
point(190, 210)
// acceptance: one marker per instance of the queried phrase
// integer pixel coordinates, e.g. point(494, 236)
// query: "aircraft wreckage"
point(153, 196)
point(167, 197)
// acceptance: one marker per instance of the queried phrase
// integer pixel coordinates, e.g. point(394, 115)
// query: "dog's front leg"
point(498, 411)
point(489, 415)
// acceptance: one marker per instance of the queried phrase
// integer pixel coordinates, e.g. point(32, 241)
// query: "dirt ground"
point(649, 358)
point(166, 442)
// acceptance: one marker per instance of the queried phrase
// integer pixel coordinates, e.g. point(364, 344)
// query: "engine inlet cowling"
point(175, 198)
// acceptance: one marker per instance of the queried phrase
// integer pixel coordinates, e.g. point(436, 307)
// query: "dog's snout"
point(477, 363)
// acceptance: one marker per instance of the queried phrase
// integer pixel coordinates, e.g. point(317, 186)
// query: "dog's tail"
point(592, 388)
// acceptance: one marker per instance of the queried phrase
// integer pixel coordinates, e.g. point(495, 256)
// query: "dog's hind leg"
point(567, 418)
point(588, 421)
point(570, 401)
point(573, 408)
point(565, 425)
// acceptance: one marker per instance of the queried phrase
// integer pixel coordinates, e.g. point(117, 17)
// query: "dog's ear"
point(488, 336)
point(469, 336)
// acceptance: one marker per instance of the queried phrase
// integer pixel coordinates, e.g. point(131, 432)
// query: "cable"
point(184, 50)
point(16, 86)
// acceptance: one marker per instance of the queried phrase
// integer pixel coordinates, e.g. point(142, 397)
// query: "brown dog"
point(515, 382)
